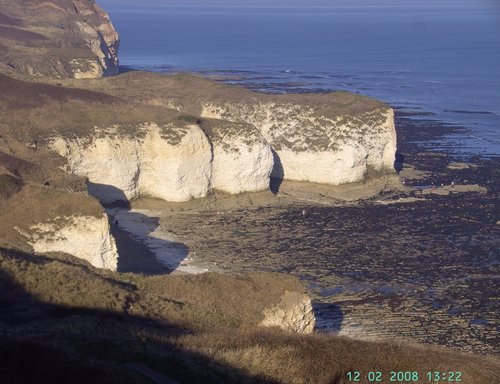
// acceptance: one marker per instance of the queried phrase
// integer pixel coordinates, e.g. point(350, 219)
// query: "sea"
point(441, 62)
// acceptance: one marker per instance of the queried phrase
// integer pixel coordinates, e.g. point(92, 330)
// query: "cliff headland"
point(183, 137)
point(77, 139)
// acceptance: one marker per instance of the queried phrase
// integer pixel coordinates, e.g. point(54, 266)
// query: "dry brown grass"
point(201, 302)
point(20, 35)
point(37, 111)
point(319, 359)
point(37, 166)
point(211, 301)
point(16, 94)
point(200, 329)
point(9, 20)
point(189, 91)
point(9, 185)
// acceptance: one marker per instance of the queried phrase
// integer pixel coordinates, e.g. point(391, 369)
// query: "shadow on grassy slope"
point(46, 343)
point(62, 321)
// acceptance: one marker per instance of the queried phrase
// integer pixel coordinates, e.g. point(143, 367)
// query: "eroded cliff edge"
point(58, 38)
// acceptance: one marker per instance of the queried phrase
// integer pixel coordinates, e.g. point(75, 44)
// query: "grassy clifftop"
point(76, 108)
point(188, 92)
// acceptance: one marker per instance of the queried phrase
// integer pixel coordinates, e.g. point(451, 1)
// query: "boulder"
point(294, 313)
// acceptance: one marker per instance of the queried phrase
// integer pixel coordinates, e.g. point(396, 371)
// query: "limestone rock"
point(242, 158)
point(169, 162)
point(313, 146)
point(85, 237)
point(58, 38)
point(293, 313)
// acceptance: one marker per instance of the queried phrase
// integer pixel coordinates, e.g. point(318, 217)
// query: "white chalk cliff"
point(313, 147)
point(242, 158)
point(174, 163)
point(85, 237)
point(234, 148)
point(170, 163)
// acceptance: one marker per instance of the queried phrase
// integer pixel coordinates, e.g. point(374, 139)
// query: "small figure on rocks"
point(304, 212)
point(116, 223)
point(453, 184)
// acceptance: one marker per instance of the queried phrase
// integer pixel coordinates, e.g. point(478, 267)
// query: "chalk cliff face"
point(294, 313)
point(85, 237)
point(171, 163)
point(314, 147)
point(242, 158)
point(234, 148)
point(174, 163)
point(58, 38)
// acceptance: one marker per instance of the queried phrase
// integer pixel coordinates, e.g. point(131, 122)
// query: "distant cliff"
point(58, 38)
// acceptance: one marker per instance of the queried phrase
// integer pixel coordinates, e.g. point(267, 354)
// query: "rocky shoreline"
point(413, 262)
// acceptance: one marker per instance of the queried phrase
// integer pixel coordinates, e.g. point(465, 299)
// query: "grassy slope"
point(188, 90)
point(199, 329)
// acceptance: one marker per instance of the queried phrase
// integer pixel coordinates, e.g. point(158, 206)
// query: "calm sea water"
point(445, 61)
